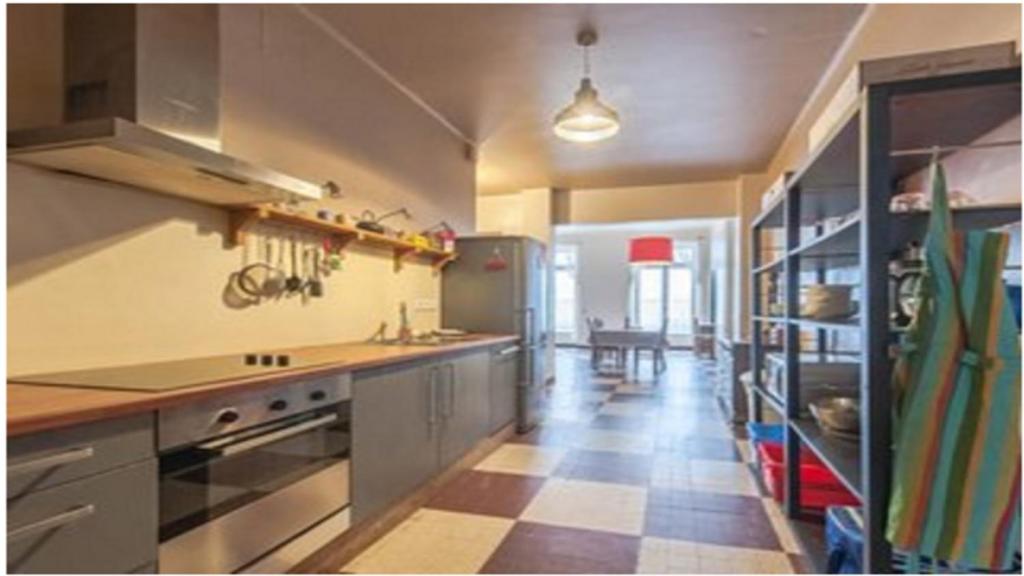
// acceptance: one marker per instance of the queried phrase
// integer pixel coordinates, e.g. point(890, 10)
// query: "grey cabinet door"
point(394, 435)
point(504, 375)
point(47, 459)
point(465, 404)
point(105, 523)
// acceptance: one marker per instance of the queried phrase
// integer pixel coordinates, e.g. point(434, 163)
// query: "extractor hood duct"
point(142, 107)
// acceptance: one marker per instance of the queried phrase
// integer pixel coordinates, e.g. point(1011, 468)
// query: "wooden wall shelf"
point(243, 219)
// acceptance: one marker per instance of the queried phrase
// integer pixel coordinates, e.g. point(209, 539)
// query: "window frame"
point(574, 248)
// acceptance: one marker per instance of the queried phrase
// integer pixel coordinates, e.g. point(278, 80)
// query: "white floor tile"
point(434, 542)
point(523, 459)
point(589, 505)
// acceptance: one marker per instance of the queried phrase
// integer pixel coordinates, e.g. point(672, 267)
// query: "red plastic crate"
point(819, 487)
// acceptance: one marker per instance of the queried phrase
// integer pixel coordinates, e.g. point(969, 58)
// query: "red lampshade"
point(650, 250)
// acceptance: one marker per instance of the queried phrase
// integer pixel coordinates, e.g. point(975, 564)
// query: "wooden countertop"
point(37, 407)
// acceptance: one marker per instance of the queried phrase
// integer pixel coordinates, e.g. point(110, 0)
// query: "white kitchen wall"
point(102, 275)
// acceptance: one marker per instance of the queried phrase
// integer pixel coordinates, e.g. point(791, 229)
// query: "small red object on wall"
point(650, 250)
point(496, 262)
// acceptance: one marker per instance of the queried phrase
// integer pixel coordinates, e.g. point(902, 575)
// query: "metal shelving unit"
point(887, 135)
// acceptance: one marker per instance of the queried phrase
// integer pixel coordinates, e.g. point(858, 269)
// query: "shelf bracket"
point(442, 261)
point(341, 241)
point(400, 254)
point(240, 222)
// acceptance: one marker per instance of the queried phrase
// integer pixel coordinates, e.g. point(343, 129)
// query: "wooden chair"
point(597, 353)
point(703, 340)
point(657, 350)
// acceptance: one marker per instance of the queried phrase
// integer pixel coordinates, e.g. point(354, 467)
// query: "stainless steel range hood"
point(142, 107)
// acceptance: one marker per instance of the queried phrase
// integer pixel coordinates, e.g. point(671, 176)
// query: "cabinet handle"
point(432, 397)
point(74, 515)
point(509, 351)
point(451, 389)
point(51, 461)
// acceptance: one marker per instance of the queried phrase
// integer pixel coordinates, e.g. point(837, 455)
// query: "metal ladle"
point(316, 285)
point(294, 282)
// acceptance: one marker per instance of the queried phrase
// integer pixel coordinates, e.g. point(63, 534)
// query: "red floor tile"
point(711, 520)
point(541, 549)
point(489, 493)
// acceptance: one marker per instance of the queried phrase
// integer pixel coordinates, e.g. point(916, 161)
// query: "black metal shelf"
point(841, 456)
point(830, 179)
point(819, 357)
point(840, 241)
point(844, 324)
point(770, 319)
point(770, 398)
point(771, 215)
point(771, 266)
point(886, 135)
point(911, 226)
point(839, 247)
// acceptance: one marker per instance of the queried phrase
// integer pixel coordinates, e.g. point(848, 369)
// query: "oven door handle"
point(228, 446)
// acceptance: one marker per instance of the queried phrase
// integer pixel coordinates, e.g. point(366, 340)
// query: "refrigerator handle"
point(528, 324)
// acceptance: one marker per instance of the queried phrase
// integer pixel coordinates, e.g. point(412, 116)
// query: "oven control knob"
point(228, 416)
point(278, 405)
point(317, 395)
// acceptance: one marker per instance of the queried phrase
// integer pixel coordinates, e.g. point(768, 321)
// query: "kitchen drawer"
point(47, 459)
point(105, 523)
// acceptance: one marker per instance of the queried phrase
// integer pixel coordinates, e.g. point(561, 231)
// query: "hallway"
point(623, 477)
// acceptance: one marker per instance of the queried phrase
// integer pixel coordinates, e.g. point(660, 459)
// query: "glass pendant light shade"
point(587, 119)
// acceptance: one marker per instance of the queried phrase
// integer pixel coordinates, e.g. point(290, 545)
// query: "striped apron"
point(957, 384)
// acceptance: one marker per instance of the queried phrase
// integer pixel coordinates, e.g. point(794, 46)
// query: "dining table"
point(622, 341)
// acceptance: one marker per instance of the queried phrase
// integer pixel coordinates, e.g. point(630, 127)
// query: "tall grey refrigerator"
point(498, 284)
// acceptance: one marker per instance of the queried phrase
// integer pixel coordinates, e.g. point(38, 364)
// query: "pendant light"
point(587, 119)
point(650, 250)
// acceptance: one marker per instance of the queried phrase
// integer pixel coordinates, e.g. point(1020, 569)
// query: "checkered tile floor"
point(624, 476)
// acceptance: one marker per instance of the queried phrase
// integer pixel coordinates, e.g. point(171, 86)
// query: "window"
point(666, 292)
point(566, 257)
point(650, 296)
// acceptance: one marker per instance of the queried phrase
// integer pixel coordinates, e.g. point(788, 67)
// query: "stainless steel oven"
point(242, 476)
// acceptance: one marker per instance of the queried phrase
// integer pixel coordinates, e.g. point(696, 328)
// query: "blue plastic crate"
point(844, 539)
point(759, 432)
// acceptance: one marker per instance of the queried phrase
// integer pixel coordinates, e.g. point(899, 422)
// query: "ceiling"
point(655, 226)
point(705, 91)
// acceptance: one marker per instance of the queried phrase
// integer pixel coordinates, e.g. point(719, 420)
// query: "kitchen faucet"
point(404, 330)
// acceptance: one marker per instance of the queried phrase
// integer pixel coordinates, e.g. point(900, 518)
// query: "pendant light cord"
point(586, 61)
